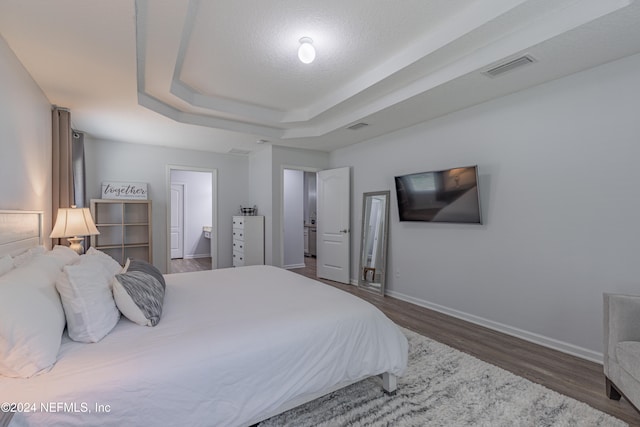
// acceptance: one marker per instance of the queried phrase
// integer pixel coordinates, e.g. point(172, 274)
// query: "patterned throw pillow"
point(139, 293)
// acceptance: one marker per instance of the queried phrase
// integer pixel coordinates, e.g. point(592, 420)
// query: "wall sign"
point(124, 190)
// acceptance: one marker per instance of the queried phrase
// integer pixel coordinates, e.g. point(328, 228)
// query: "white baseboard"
point(292, 266)
point(562, 346)
point(193, 256)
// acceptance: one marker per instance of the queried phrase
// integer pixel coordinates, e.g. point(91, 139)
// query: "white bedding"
point(232, 347)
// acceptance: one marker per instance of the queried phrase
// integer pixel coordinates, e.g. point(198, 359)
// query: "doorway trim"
point(282, 168)
point(214, 211)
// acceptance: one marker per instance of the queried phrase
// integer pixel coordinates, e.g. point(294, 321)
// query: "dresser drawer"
point(238, 234)
point(248, 240)
point(238, 245)
point(238, 258)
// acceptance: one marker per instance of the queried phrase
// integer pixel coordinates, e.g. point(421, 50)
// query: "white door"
point(334, 215)
point(177, 221)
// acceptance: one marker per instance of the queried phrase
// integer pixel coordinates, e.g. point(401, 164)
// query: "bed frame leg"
point(612, 391)
point(389, 383)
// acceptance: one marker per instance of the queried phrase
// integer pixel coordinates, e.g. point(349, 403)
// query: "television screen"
point(440, 196)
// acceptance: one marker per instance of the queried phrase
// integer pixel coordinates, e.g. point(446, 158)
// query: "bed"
point(233, 347)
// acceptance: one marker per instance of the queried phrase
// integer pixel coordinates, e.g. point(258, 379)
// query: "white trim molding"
point(293, 266)
point(552, 343)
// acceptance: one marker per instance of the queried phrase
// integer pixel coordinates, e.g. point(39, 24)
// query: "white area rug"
point(445, 387)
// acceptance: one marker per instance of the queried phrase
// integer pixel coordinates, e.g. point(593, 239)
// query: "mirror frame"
point(362, 275)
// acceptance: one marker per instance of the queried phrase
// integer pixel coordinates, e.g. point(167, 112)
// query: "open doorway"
point(332, 226)
point(299, 217)
point(191, 219)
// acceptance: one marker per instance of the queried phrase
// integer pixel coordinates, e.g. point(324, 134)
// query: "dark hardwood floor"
point(191, 264)
point(566, 374)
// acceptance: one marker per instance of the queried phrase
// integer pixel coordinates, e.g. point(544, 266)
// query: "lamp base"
point(76, 244)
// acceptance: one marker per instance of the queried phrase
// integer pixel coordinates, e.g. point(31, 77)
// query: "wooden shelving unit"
point(125, 228)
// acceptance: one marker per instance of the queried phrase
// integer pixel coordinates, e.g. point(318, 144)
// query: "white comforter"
point(233, 346)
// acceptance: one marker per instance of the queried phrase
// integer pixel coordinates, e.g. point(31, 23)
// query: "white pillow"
point(25, 257)
point(112, 266)
point(65, 254)
point(6, 264)
point(85, 290)
point(31, 318)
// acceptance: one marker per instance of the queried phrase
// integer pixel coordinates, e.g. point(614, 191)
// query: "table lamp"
point(72, 223)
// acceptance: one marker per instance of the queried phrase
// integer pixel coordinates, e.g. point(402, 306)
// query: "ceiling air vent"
point(358, 126)
point(511, 65)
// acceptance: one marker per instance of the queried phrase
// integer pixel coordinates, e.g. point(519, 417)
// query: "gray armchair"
point(622, 347)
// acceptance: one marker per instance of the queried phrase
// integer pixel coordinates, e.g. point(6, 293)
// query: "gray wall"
point(25, 140)
point(261, 193)
point(559, 183)
point(117, 161)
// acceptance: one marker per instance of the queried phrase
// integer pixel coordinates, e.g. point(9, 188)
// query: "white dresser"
point(248, 240)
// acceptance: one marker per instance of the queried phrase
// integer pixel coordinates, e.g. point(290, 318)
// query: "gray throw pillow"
point(139, 293)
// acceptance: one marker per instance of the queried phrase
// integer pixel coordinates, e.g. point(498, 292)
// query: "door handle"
point(345, 231)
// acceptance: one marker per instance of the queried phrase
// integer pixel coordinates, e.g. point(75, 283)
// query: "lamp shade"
point(72, 222)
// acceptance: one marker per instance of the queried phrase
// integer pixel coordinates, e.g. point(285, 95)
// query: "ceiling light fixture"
point(306, 51)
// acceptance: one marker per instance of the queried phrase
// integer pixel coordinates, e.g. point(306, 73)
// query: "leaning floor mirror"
point(373, 245)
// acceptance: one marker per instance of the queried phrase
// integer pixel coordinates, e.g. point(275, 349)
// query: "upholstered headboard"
point(19, 231)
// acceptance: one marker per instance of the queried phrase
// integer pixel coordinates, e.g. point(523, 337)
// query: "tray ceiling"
point(219, 75)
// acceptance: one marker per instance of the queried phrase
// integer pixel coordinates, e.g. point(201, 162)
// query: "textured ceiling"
point(256, 65)
point(219, 75)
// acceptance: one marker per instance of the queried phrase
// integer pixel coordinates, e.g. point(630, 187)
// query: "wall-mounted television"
point(449, 195)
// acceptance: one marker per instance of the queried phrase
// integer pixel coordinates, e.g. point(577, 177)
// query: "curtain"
point(78, 170)
point(62, 179)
